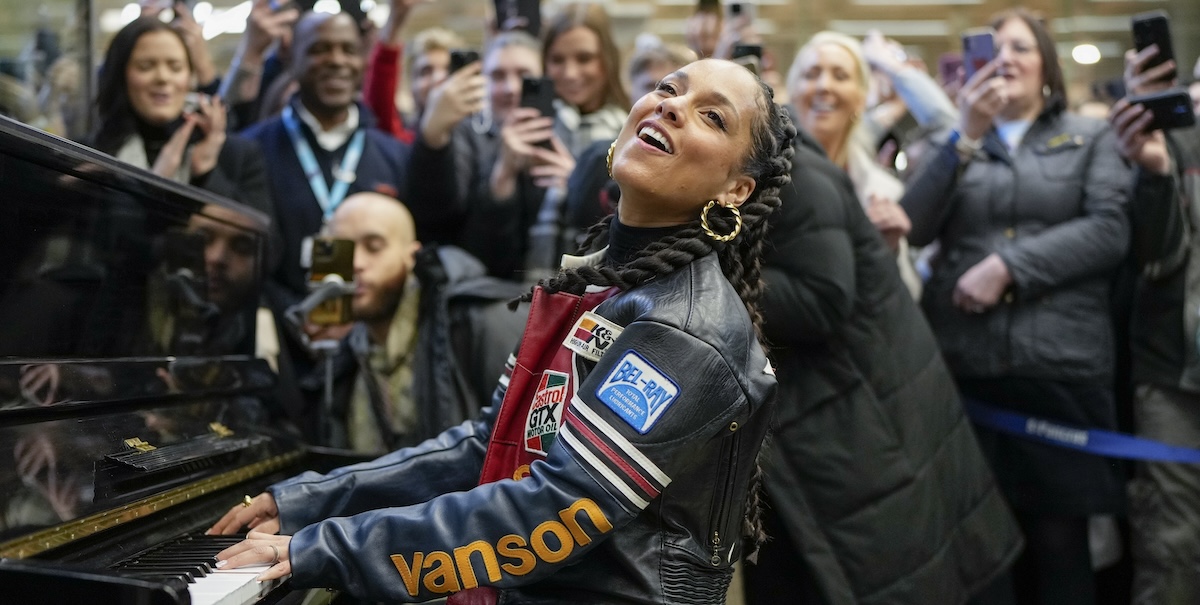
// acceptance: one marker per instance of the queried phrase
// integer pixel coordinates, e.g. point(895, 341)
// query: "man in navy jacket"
point(324, 148)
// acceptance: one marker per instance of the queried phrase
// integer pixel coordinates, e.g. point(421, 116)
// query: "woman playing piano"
point(621, 464)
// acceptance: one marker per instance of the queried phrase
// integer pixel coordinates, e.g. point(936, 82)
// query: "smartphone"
point(539, 94)
point(462, 57)
point(331, 257)
point(191, 104)
point(1171, 108)
point(748, 55)
point(948, 66)
point(979, 48)
point(735, 10)
point(1153, 28)
point(519, 14)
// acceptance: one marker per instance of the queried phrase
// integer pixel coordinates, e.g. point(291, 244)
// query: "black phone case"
point(1171, 109)
point(461, 58)
point(1154, 28)
point(538, 93)
point(529, 10)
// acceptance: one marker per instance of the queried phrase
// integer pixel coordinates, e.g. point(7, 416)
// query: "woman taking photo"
point(1028, 202)
point(145, 120)
point(663, 391)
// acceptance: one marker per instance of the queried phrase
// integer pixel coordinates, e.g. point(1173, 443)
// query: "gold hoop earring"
point(737, 214)
point(611, 148)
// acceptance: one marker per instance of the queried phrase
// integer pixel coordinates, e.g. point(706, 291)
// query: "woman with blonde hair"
point(828, 84)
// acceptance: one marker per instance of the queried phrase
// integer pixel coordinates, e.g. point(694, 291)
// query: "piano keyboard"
point(192, 559)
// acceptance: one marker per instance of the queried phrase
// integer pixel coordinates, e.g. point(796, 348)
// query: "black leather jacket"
point(615, 514)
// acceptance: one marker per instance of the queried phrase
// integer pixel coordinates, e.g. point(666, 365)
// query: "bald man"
point(430, 337)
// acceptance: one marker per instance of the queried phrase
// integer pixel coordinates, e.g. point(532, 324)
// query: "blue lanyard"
point(342, 175)
point(1092, 441)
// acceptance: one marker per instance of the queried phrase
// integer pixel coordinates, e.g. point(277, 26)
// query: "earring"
point(1045, 91)
point(611, 148)
point(708, 230)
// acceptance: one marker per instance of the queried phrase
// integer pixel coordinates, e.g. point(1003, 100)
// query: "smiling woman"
point(828, 85)
point(149, 117)
point(636, 402)
point(1029, 204)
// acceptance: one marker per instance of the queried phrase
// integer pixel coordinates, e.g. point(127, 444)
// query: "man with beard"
point(430, 336)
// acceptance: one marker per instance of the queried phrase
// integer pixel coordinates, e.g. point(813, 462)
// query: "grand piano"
point(132, 409)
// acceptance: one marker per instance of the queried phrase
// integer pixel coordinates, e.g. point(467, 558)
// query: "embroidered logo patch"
point(637, 391)
point(591, 336)
point(545, 413)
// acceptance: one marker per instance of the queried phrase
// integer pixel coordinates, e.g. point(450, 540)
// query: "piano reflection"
point(131, 408)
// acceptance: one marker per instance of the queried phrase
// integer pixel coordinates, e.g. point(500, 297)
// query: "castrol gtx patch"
point(545, 413)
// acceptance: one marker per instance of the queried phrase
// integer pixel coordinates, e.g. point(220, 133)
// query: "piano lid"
point(127, 315)
point(104, 260)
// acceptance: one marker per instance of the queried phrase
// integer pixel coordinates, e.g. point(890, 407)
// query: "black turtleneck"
point(624, 242)
point(155, 136)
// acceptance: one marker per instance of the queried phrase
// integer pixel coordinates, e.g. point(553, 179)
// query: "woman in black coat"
point(877, 490)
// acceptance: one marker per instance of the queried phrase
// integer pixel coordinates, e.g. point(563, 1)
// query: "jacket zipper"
point(722, 505)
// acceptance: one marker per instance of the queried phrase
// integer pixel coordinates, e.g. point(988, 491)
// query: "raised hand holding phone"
point(1153, 29)
point(979, 49)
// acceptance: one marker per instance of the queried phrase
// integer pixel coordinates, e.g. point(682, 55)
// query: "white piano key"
point(231, 586)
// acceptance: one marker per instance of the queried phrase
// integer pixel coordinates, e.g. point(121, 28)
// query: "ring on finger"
point(275, 550)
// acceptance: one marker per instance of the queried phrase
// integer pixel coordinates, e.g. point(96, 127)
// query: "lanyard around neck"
point(343, 175)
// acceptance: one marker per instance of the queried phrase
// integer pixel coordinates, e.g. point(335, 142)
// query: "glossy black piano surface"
point(130, 401)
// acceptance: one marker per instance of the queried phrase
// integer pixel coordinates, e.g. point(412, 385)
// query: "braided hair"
point(770, 165)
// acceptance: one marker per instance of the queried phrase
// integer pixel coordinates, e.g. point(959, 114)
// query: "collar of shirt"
point(334, 138)
point(1012, 132)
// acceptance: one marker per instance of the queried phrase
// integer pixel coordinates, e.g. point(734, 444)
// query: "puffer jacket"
point(630, 505)
point(873, 468)
point(1055, 213)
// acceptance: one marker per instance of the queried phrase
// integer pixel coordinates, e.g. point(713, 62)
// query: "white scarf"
point(133, 152)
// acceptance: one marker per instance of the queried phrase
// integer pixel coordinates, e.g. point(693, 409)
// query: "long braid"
point(774, 170)
point(770, 164)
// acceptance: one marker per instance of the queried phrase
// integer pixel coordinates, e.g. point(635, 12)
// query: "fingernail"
point(222, 563)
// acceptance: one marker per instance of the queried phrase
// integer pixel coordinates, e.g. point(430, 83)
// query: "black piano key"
point(164, 573)
point(192, 571)
point(205, 567)
point(155, 575)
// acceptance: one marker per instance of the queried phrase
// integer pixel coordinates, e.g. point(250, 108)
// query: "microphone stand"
point(332, 287)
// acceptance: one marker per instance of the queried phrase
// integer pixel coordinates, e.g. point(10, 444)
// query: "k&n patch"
point(637, 391)
point(591, 336)
point(545, 413)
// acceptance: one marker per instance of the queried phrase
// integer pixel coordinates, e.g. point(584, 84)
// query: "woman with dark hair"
point(617, 467)
point(144, 118)
point(1028, 202)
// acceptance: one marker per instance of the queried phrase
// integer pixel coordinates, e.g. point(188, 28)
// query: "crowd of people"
point(811, 310)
